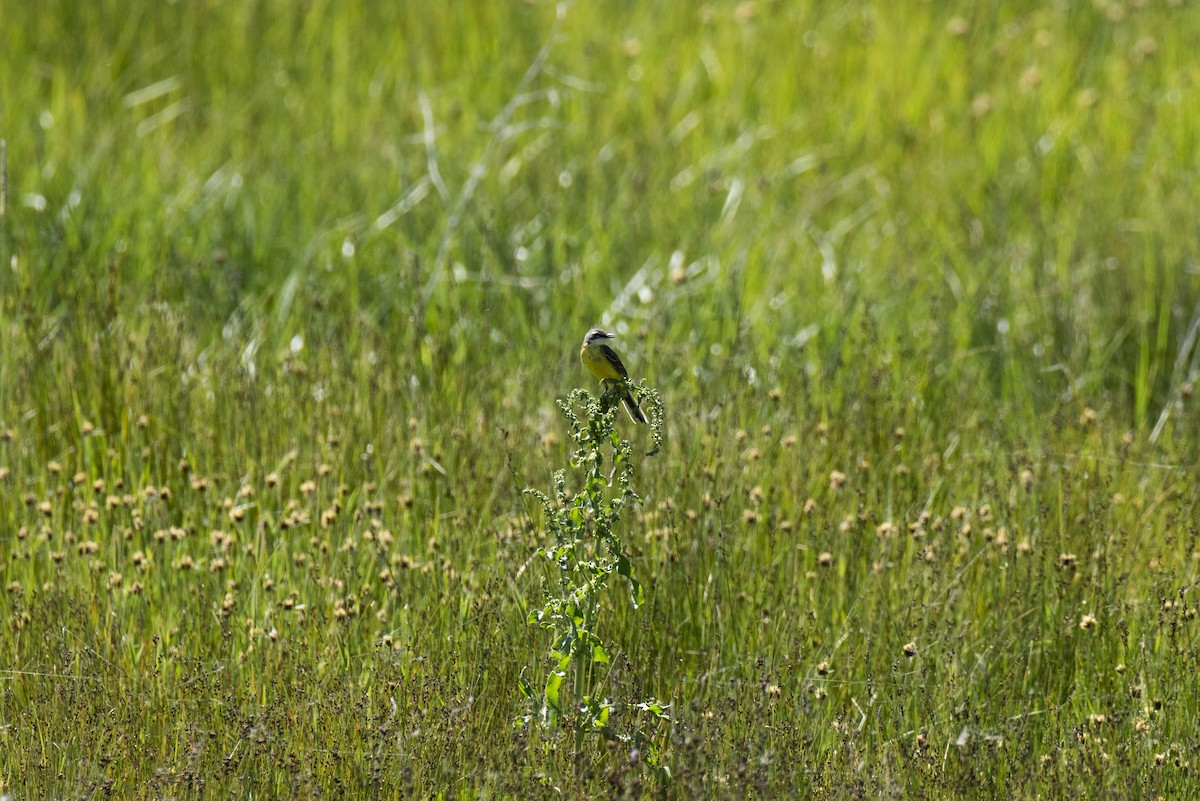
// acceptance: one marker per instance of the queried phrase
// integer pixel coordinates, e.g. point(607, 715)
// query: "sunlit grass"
point(287, 296)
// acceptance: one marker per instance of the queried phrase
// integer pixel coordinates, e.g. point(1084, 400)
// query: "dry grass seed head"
point(1026, 480)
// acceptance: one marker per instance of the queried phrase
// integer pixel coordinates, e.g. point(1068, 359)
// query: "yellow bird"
point(606, 365)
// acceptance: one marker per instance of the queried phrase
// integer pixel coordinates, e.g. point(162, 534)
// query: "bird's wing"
point(614, 360)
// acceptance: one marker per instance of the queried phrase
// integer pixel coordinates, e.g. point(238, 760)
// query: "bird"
point(605, 364)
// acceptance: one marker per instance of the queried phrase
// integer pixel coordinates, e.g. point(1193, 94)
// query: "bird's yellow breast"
point(595, 360)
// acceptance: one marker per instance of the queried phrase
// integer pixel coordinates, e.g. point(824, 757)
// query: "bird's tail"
point(631, 405)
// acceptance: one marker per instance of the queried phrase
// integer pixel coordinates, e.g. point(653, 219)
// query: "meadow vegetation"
point(289, 291)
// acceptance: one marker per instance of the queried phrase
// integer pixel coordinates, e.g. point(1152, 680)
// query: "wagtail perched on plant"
point(606, 365)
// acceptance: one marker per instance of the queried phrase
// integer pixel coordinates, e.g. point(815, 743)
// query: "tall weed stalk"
point(586, 548)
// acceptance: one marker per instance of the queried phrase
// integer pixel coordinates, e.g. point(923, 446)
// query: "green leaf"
point(553, 687)
point(563, 647)
point(635, 588)
point(654, 708)
point(526, 688)
point(599, 654)
point(636, 596)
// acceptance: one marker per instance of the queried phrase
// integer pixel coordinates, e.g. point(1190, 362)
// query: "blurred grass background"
point(918, 285)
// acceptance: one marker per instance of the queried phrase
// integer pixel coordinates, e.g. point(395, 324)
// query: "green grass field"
point(288, 292)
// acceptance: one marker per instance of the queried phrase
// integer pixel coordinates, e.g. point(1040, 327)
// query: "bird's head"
point(597, 335)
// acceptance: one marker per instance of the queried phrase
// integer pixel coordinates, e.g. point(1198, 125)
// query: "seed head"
point(1031, 78)
point(981, 104)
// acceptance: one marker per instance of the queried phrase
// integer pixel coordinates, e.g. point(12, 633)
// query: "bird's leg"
point(612, 391)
